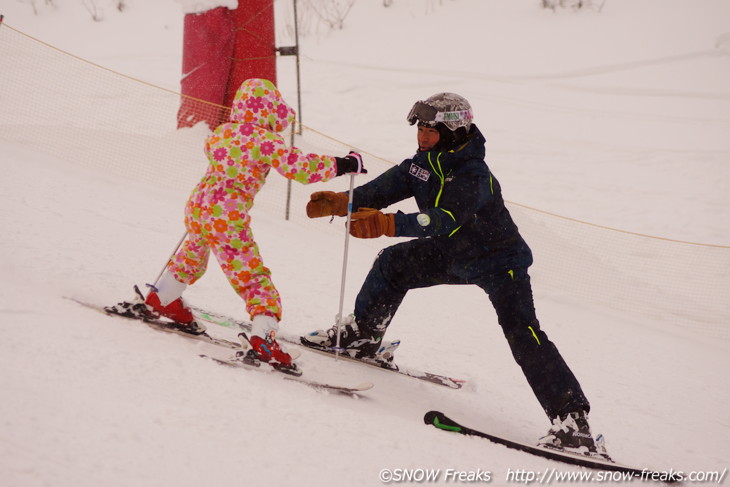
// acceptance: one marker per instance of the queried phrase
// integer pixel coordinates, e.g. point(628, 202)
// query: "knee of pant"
point(386, 264)
point(403, 259)
point(385, 257)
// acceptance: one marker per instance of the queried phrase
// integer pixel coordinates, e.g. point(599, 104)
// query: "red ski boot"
point(268, 350)
point(177, 312)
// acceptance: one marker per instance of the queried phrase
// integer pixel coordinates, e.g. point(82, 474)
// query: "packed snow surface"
point(618, 117)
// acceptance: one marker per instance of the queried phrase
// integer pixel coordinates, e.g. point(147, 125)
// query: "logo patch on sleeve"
point(423, 219)
point(419, 172)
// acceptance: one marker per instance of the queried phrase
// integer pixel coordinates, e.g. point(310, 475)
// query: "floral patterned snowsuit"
point(241, 154)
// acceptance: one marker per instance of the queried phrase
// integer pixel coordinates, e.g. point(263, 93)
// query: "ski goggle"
point(428, 115)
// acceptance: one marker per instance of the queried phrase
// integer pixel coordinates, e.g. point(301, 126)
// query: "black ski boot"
point(572, 433)
point(353, 341)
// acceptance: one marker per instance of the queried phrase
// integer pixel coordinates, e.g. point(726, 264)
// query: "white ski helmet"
point(450, 109)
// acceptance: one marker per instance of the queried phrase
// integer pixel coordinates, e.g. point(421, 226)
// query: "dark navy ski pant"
point(503, 276)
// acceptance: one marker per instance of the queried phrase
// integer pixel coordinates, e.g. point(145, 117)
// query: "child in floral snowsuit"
point(241, 154)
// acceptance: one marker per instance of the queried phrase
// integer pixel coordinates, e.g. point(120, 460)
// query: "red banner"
point(221, 49)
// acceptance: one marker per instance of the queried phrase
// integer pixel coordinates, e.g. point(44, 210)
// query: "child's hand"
point(352, 163)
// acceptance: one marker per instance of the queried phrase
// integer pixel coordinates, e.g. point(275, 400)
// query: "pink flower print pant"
point(228, 235)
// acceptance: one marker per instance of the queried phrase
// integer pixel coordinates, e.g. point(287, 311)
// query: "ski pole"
point(344, 263)
point(177, 247)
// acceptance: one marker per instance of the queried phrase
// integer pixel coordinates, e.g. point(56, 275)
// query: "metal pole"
point(287, 209)
point(177, 247)
point(288, 200)
point(344, 263)
point(299, 86)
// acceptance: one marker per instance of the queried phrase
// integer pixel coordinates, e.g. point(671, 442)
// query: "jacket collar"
point(472, 149)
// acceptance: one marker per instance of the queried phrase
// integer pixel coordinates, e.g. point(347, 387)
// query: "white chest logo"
point(419, 172)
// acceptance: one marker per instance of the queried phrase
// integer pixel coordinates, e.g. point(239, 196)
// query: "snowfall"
point(607, 126)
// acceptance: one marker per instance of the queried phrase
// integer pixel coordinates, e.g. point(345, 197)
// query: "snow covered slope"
point(619, 118)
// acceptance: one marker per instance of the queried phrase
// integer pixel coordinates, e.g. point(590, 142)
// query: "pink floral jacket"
point(243, 151)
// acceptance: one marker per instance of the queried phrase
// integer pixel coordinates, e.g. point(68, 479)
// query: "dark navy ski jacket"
point(459, 200)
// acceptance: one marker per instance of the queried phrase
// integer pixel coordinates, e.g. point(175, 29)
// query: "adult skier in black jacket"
point(465, 235)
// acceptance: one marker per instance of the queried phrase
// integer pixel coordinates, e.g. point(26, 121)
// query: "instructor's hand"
point(327, 203)
point(371, 223)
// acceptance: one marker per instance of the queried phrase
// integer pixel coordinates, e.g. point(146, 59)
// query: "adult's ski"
point(443, 422)
point(437, 379)
point(226, 321)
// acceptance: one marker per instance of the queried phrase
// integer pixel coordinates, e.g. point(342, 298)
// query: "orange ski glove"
point(371, 223)
point(327, 203)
